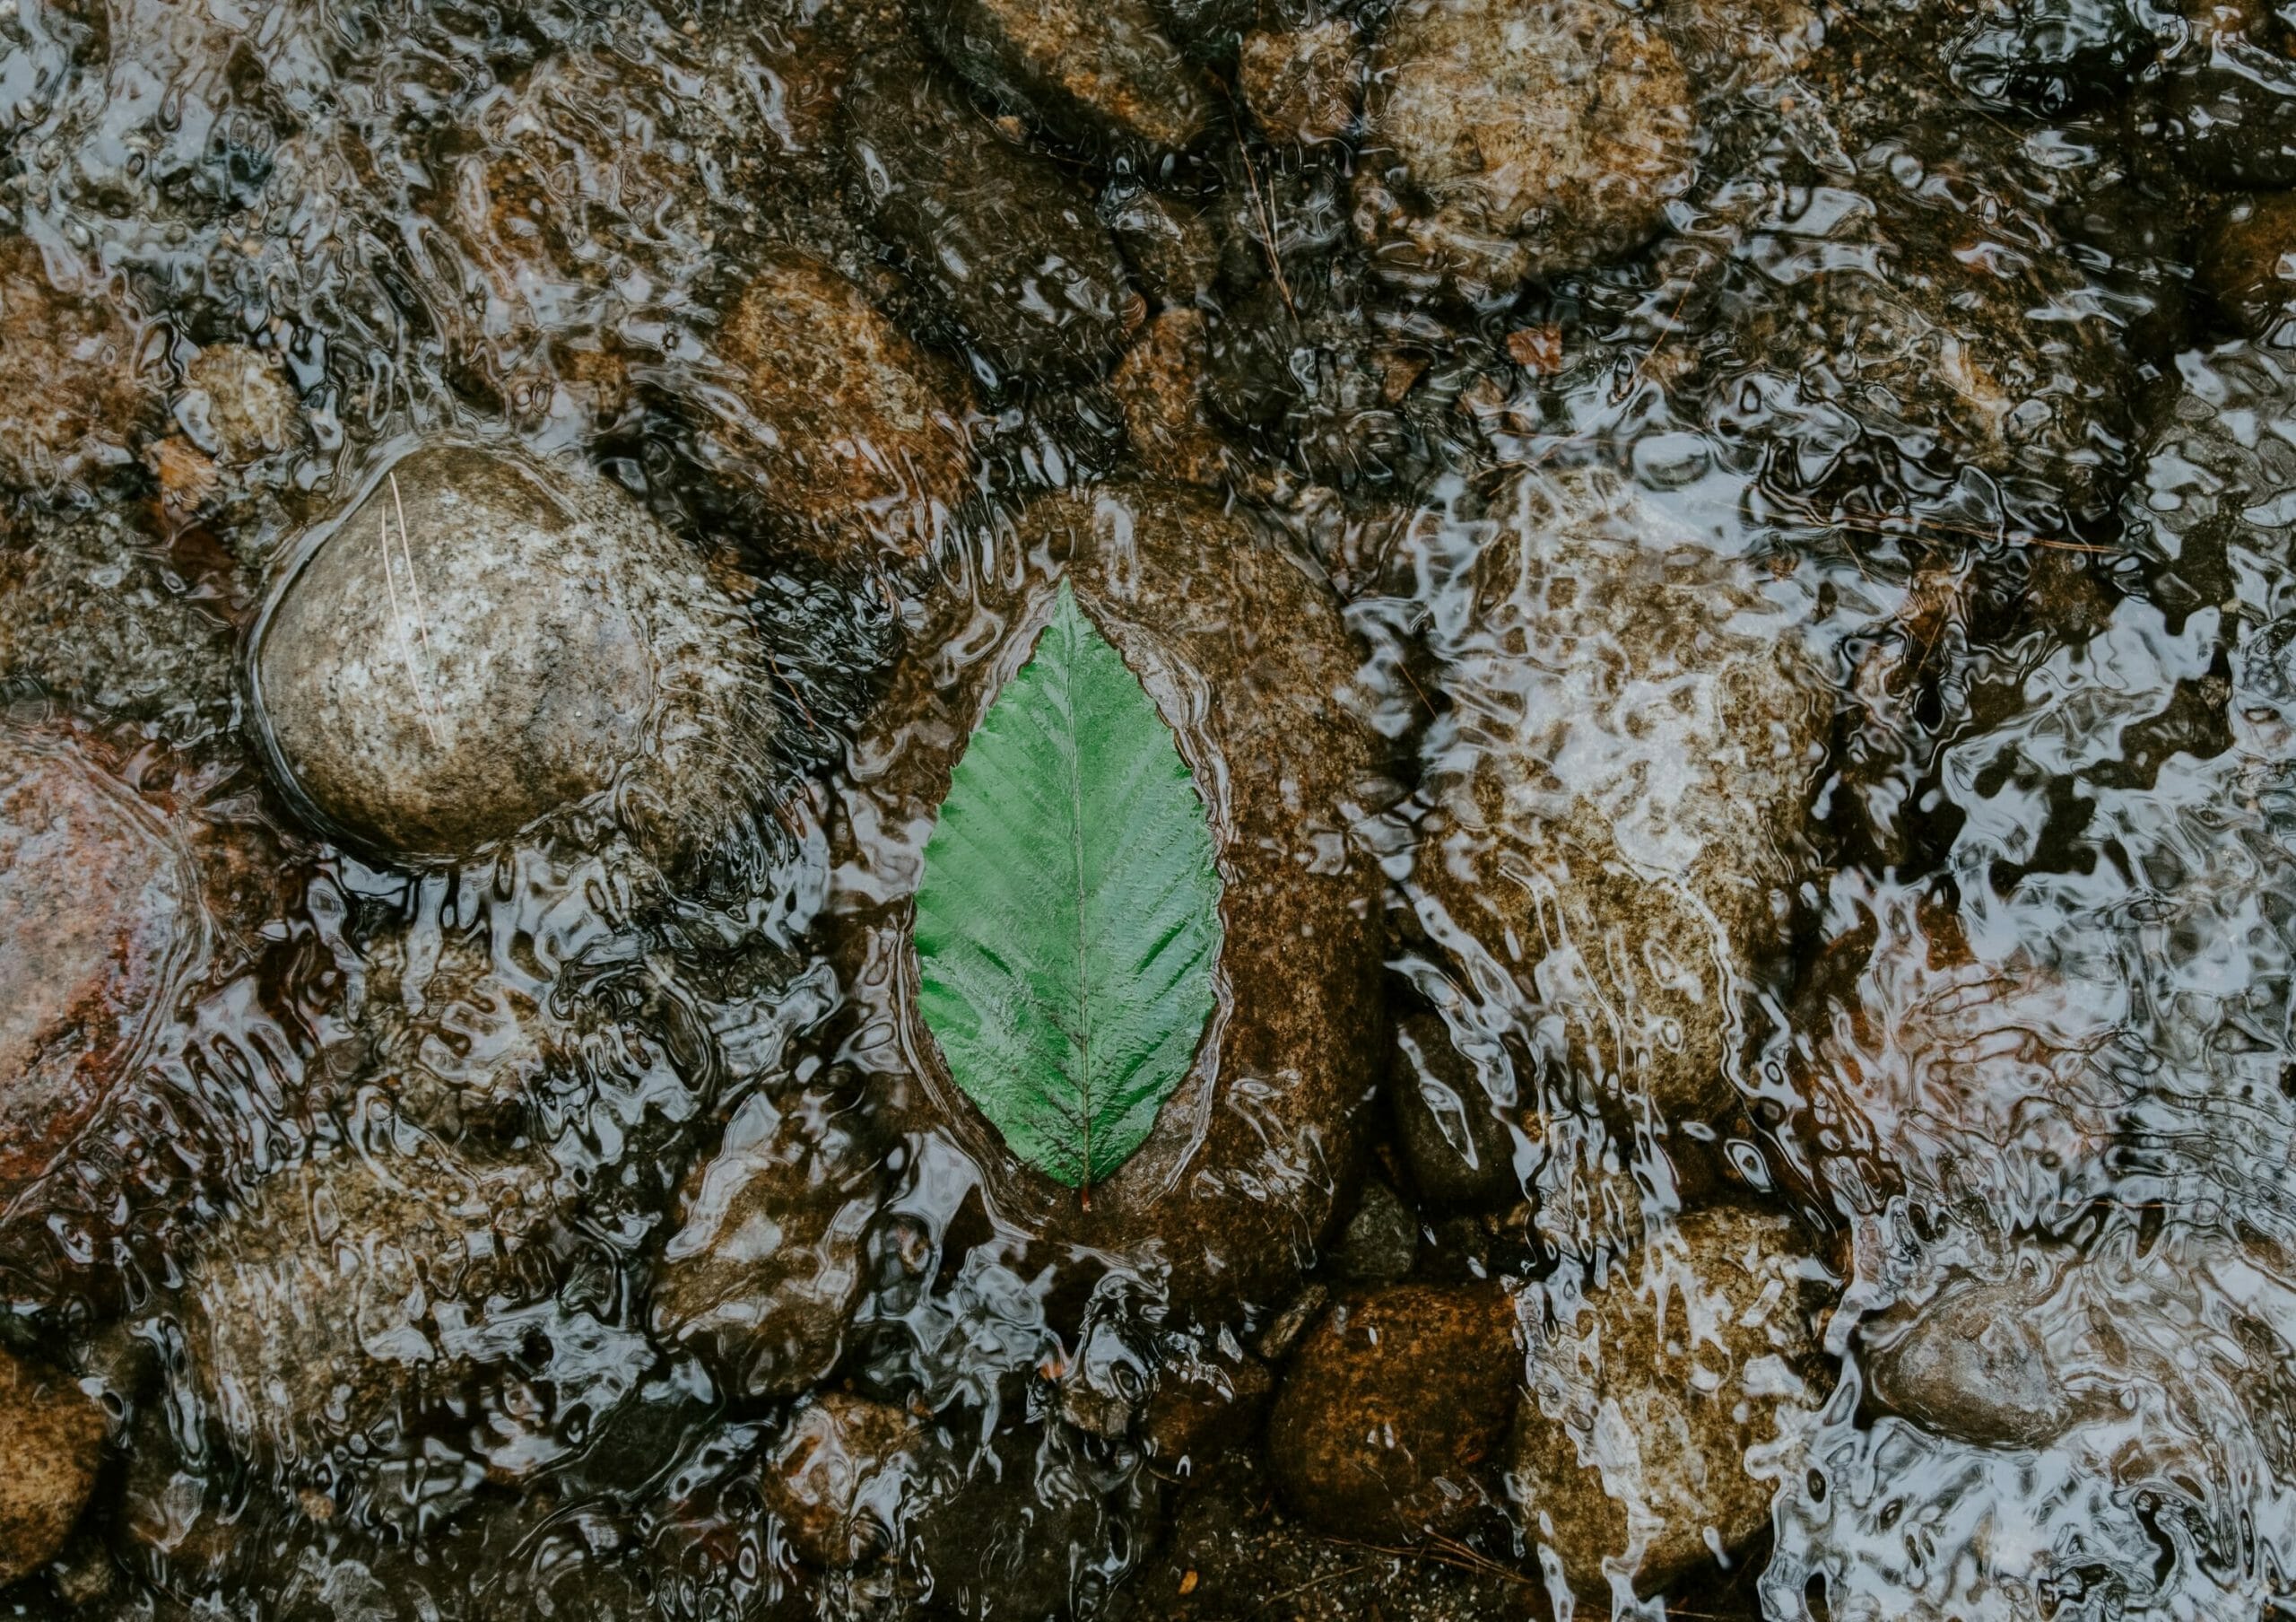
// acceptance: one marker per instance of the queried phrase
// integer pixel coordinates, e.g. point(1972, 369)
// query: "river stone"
point(1008, 247)
point(1159, 388)
point(99, 912)
point(1104, 77)
point(1170, 245)
point(237, 407)
point(1669, 1373)
point(856, 434)
point(844, 1475)
point(534, 639)
point(1618, 797)
point(2232, 97)
point(2246, 260)
point(1459, 1146)
point(1302, 84)
point(1973, 1366)
point(1505, 142)
point(1392, 1417)
point(1240, 645)
point(92, 611)
point(51, 1440)
point(72, 396)
point(764, 1269)
point(348, 1297)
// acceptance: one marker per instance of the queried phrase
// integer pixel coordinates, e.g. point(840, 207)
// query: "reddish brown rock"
point(1160, 386)
point(236, 406)
point(72, 396)
point(1392, 1418)
point(856, 434)
point(97, 913)
point(51, 1439)
point(2245, 259)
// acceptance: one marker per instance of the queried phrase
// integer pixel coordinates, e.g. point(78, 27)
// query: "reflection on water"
point(1722, 574)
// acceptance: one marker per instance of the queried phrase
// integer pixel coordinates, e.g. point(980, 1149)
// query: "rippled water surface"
point(1724, 575)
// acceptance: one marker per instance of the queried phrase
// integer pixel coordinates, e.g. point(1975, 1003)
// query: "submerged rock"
point(763, 1272)
point(1009, 246)
point(851, 434)
point(72, 396)
point(237, 407)
point(1617, 801)
point(844, 1475)
point(1169, 244)
point(353, 1301)
point(92, 612)
point(2232, 97)
point(2246, 260)
point(1645, 1401)
point(1159, 388)
point(1503, 143)
point(483, 640)
point(51, 1440)
point(1390, 1420)
point(1973, 1366)
point(1302, 85)
point(1104, 77)
point(99, 911)
point(1240, 646)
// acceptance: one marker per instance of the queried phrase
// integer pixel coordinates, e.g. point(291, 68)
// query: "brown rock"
point(1974, 1366)
point(1505, 142)
point(1100, 76)
point(99, 912)
point(1240, 645)
point(1302, 87)
point(1392, 1417)
point(843, 1476)
point(1460, 1146)
point(237, 407)
point(764, 1269)
point(483, 638)
point(347, 1297)
point(1618, 800)
point(71, 397)
point(2245, 259)
point(1171, 245)
point(1203, 1407)
point(1676, 1366)
point(51, 1440)
point(857, 435)
point(1159, 386)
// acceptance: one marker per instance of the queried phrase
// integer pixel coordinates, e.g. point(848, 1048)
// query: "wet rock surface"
point(1106, 76)
point(1501, 147)
point(950, 194)
point(765, 1268)
point(854, 435)
point(1392, 1415)
point(76, 391)
point(1231, 1205)
point(509, 596)
point(100, 902)
point(51, 1441)
point(1632, 1444)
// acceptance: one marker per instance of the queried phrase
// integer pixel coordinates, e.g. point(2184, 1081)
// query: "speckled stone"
point(1302, 84)
point(71, 397)
point(483, 640)
point(1391, 1417)
point(1007, 246)
point(99, 909)
point(1241, 646)
point(1974, 1366)
point(1104, 76)
point(1674, 1368)
point(763, 1272)
point(1618, 801)
point(852, 435)
point(345, 1297)
point(236, 406)
point(2245, 259)
point(1159, 388)
point(1506, 142)
point(51, 1441)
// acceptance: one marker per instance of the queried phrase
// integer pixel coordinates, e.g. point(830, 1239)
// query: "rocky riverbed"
point(1242, 810)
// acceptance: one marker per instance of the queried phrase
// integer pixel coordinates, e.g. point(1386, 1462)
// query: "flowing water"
point(1739, 662)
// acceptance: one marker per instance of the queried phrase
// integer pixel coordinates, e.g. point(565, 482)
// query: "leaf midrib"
point(1074, 759)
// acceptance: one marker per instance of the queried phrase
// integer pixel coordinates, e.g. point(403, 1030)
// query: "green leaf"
point(1069, 914)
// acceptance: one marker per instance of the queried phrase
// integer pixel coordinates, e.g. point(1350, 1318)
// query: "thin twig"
point(1266, 210)
point(398, 631)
